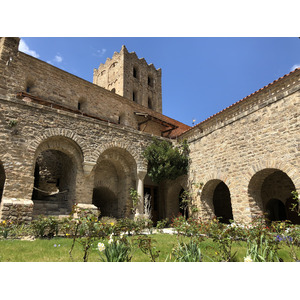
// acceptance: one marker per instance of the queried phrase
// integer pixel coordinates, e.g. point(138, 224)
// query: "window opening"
point(150, 103)
point(150, 81)
point(134, 73)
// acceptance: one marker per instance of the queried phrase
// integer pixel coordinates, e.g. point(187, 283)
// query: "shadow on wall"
point(106, 201)
point(2, 180)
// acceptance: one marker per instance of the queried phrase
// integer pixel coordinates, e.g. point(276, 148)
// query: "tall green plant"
point(166, 161)
point(188, 252)
point(135, 199)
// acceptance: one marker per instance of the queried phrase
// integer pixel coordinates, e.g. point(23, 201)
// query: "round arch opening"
point(217, 201)
point(270, 193)
point(222, 203)
point(114, 175)
point(57, 161)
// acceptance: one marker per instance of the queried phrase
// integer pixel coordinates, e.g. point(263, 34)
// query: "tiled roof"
point(181, 127)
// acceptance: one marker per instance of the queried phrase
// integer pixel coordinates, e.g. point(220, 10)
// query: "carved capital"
point(141, 173)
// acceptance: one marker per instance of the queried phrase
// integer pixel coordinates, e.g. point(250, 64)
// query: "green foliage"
point(263, 250)
point(134, 198)
point(145, 244)
point(295, 205)
point(5, 227)
point(87, 230)
point(132, 227)
point(197, 239)
point(166, 161)
point(12, 123)
point(116, 250)
point(224, 237)
point(45, 226)
point(162, 223)
point(188, 252)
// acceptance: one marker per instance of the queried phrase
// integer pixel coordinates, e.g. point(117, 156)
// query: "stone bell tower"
point(131, 77)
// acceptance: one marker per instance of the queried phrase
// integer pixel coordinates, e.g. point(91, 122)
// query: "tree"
point(166, 161)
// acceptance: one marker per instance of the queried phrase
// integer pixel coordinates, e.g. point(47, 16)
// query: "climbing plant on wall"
point(166, 161)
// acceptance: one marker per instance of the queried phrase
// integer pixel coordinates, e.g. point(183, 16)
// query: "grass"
point(57, 250)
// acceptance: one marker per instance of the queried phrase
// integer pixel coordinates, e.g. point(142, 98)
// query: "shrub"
point(45, 226)
point(145, 244)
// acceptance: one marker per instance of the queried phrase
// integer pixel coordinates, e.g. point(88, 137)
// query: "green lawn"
point(57, 250)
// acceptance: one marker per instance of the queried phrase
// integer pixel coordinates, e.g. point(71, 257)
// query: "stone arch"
point(114, 174)
point(266, 188)
point(57, 169)
point(270, 163)
point(173, 191)
point(58, 132)
point(63, 144)
point(2, 179)
point(139, 159)
point(216, 200)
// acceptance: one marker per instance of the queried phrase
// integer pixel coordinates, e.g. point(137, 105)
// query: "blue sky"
point(200, 76)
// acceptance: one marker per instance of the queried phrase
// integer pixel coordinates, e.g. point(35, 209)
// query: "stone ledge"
point(15, 201)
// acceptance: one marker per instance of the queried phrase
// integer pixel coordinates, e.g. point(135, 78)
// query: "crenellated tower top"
point(131, 77)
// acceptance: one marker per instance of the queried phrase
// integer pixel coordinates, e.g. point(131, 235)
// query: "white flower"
point(110, 241)
point(248, 259)
point(101, 247)
point(122, 234)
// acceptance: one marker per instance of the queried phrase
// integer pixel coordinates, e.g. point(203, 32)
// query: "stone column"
point(84, 189)
point(140, 189)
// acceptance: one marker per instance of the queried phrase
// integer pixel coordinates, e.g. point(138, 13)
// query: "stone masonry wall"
point(38, 128)
point(23, 73)
point(259, 134)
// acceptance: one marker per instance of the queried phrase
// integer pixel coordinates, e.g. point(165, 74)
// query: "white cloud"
point(58, 59)
point(295, 67)
point(23, 47)
point(100, 53)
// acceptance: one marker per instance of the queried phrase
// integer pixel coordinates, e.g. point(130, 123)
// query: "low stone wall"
point(16, 210)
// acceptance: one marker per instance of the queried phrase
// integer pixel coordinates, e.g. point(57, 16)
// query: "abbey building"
point(65, 140)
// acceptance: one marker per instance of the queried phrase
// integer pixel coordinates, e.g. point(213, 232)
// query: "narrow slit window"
point(150, 81)
point(150, 103)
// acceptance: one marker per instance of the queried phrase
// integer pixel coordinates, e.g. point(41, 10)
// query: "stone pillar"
point(140, 189)
point(84, 190)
